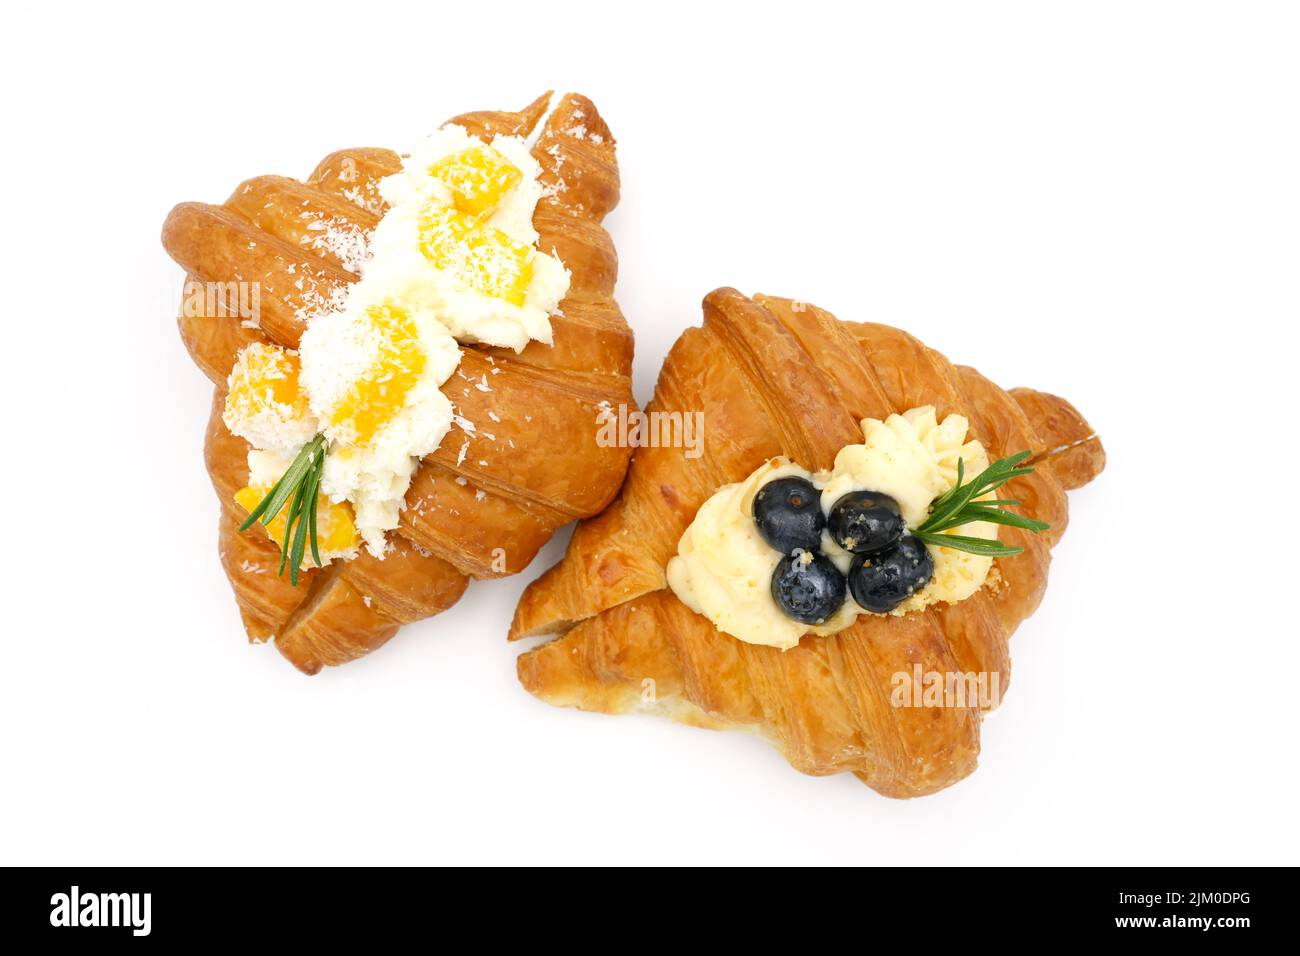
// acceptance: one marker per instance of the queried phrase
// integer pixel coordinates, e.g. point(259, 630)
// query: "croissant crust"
point(487, 499)
point(760, 370)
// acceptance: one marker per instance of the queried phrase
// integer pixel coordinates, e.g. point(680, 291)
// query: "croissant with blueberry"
point(790, 575)
point(401, 345)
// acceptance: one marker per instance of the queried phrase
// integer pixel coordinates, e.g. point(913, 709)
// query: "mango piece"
point(336, 531)
point(265, 381)
point(379, 393)
point(479, 258)
point(478, 178)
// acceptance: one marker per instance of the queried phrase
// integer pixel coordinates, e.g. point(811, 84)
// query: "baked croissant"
point(760, 371)
point(484, 502)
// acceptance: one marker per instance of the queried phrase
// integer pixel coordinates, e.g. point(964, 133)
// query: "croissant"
point(485, 501)
point(760, 370)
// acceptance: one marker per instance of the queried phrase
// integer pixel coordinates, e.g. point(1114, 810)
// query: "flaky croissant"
point(777, 377)
point(487, 499)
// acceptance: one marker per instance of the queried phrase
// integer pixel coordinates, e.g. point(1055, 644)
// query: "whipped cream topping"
point(452, 260)
point(401, 270)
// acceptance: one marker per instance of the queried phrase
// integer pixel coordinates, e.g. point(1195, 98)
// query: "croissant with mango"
point(486, 491)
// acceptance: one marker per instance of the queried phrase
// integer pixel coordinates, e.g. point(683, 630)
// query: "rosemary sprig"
point(297, 487)
point(958, 506)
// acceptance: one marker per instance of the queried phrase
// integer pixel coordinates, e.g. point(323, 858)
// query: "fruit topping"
point(882, 581)
point(808, 587)
point(478, 257)
point(265, 403)
point(378, 394)
point(865, 522)
point(478, 178)
point(337, 532)
point(788, 513)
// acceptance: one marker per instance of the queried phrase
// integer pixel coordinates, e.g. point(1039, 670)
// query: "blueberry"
point(807, 587)
point(880, 582)
point(866, 522)
point(788, 513)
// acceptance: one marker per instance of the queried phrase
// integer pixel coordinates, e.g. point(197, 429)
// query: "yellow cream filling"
point(723, 567)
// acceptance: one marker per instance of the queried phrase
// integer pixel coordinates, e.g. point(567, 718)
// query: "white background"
point(1098, 199)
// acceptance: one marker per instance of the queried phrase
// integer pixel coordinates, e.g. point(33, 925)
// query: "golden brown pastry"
point(760, 370)
point(487, 498)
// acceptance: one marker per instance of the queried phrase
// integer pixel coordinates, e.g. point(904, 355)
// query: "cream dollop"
point(723, 567)
point(404, 274)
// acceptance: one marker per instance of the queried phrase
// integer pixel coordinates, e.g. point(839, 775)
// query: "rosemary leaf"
point(958, 542)
point(299, 537)
point(291, 481)
point(288, 529)
point(977, 512)
point(311, 516)
point(961, 496)
point(960, 505)
point(298, 487)
point(261, 507)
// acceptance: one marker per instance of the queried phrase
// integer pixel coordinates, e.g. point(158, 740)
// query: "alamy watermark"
point(223, 300)
point(922, 688)
point(76, 908)
point(622, 427)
